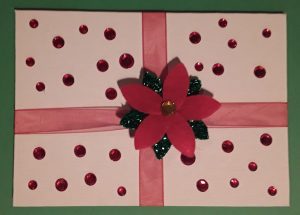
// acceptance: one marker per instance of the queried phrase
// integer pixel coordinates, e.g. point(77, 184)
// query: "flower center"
point(168, 108)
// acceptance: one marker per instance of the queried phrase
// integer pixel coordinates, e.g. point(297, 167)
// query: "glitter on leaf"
point(151, 81)
point(195, 86)
point(162, 147)
point(200, 129)
point(132, 119)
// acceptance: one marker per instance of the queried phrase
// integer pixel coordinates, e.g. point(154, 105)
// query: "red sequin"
point(198, 66)
point(272, 190)
point(111, 93)
point(187, 160)
point(79, 151)
point(39, 153)
point(32, 184)
point(232, 43)
point(222, 23)
point(227, 146)
point(266, 33)
point(218, 69)
point(126, 60)
point(68, 79)
point(58, 42)
point(195, 37)
point(90, 179)
point(266, 139)
point(234, 182)
point(61, 184)
point(114, 154)
point(252, 166)
point(109, 33)
point(202, 185)
point(259, 72)
point(83, 29)
point(40, 86)
point(121, 191)
point(102, 65)
point(33, 23)
point(30, 61)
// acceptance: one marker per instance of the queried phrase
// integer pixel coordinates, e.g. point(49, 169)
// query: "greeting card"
point(150, 109)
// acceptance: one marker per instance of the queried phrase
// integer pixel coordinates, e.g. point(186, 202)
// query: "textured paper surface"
point(79, 57)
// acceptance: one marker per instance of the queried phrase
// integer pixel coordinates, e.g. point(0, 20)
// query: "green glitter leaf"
point(195, 86)
point(153, 82)
point(132, 119)
point(162, 147)
point(200, 129)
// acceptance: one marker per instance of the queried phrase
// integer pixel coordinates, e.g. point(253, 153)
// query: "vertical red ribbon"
point(154, 59)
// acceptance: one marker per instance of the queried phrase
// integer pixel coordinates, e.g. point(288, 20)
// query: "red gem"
point(266, 33)
point(58, 42)
point(40, 86)
point(195, 37)
point(202, 185)
point(234, 182)
point(111, 93)
point(61, 184)
point(218, 69)
point(121, 191)
point(33, 23)
point(126, 60)
point(109, 34)
point(90, 179)
point(227, 146)
point(252, 166)
point(272, 190)
point(222, 23)
point(30, 61)
point(266, 139)
point(102, 65)
point(83, 29)
point(232, 43)
point(68, 79)
point(115, 154)
point(187, 160)
point(259, 72)
point(79, 151)
point(39, 153)
point(32, 184)
point(198, 66)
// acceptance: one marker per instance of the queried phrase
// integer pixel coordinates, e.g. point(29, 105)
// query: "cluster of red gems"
point(90, 179)
point(126, 60)
point(202, 185)
point(218, 68)
point(228, 147)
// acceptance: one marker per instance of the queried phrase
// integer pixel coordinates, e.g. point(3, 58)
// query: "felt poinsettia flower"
point(168, 114)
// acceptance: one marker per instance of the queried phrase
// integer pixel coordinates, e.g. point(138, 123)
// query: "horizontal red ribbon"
point(95, 119)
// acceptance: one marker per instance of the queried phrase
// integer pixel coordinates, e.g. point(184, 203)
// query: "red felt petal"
point(176, 85)
point(142, 98)
point(181, 135)
point(150, 131)
point(199, 107)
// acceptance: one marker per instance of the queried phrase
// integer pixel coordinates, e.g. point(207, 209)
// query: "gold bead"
point(168, 108)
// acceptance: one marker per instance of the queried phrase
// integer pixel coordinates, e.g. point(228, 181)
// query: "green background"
point(7, 76)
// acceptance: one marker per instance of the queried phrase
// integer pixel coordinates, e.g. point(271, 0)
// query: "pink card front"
point(68, 63)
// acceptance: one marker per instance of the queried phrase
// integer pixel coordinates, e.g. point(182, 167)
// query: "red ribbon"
point(97, 119)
